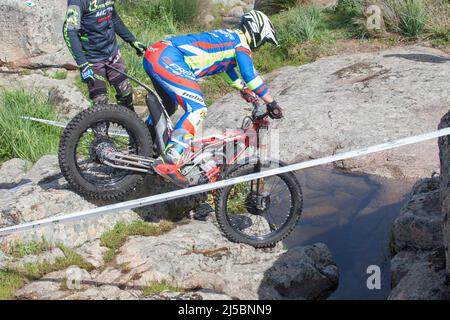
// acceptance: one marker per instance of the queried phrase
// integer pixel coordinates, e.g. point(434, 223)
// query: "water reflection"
point(352, 215)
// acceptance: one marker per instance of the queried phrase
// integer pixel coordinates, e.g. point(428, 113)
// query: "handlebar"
point(258, 113)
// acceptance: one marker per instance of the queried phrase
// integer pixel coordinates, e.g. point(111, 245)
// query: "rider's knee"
point(201, 113)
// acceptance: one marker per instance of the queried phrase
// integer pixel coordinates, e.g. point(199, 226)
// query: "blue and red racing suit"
point(177, 63)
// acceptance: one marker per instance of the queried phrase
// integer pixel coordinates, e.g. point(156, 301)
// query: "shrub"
point(407, 17)
point(410, 18)
point(305, 25)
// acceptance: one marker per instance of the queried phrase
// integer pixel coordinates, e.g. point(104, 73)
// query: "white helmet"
point(259, 27)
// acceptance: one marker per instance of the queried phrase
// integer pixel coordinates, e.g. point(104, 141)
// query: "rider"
point(174, 66)
point(90, 32)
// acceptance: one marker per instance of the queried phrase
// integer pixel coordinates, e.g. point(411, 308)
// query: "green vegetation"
point(11, 280)
point(117, 237)
point(392, 245)
point(423, 19)
point(60, 75)
point(158, 287)
point(25, 139)
point(20, 250)
point(304, 24)
point(34, 271)
point(237, 197)
point(412, 17)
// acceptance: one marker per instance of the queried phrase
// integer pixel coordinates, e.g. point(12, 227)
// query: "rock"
point(350, 102)
point(105, 292)
point(196, 295)
point(92, 252)
point(50, 287)
point(419, 226)
point(46, 168)
point(4, 260)
point(301, 273)
point(228, 3)
point(63, 94)
point(422, 282)
point(401, 264)
point(33, 34)
point(197, 256)
point(236, 12)
point(13, 171)
point(68, 102)
point(49, 257)
point(444, 155)
point(209, 18)
point(47, 195)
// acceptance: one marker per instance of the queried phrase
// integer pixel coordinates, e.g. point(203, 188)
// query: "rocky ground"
point(418, 267)
point(193, 258)
point(194, 262)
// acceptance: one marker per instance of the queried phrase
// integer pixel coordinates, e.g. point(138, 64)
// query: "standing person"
point(176, 64)
point(90, 32)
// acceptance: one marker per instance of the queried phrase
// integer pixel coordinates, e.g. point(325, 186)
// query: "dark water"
point(352, 215)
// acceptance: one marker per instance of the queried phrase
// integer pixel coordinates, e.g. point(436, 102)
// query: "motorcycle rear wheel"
point(79, 163)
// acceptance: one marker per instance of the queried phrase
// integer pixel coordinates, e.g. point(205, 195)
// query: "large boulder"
point(43, 192)
point(444, 146)
point(193, 262)
point(419, 226)
point(340, 103)
point(32, 34)
point(418, 269)
point(196, 255)
point(62, 94)
point(425, 279)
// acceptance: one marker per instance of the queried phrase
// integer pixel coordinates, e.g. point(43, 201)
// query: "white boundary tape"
point(50, 122)
point(221, 184)
point(63, 125)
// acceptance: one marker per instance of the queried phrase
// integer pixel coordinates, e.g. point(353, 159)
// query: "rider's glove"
point(274, 110)
point(87, 74)
point(249, 96)
point(139, 47)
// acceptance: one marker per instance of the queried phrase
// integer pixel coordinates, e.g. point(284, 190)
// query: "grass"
point(411, 19)
point(117, 237)
point(305, 23)
point(25, 139)
point(20, 250)
point(407, 17)
point(158, 287)
point(393, 249)
point(12, 280)
point(236, 198)
point(34, 271)
point(60, 75)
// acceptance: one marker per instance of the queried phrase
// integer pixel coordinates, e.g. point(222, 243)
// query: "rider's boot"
point(171, 161)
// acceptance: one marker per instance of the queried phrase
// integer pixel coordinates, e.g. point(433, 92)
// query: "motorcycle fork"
point(162, 126)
